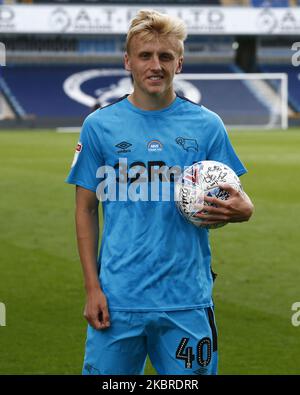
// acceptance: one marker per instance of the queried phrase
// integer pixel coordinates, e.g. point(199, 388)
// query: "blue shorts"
point(177, 342)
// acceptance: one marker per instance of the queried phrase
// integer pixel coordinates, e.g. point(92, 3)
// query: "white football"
point(203, 178)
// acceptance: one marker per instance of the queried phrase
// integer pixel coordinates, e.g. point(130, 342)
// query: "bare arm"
point(87, 229)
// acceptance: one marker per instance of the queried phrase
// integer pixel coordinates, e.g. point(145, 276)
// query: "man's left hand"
point(237, 208)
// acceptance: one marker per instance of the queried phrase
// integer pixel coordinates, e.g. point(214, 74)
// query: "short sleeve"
point(88, 157)
point(221, 150)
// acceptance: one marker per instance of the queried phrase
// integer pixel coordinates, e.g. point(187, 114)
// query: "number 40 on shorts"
point(203, 352)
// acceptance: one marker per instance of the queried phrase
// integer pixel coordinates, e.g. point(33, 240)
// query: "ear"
point(179, 66)
point(127, 62)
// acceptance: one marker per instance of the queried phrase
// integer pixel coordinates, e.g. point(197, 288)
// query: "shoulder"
point(102, 114)
point(111, 107)
point(204, 114)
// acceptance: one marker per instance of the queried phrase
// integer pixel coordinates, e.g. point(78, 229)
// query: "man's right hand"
point(96, 310)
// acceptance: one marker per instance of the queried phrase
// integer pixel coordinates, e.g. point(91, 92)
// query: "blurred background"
point(72, 53)
point(62, 59)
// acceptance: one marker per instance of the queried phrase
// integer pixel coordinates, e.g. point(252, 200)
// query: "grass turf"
point(40, 274)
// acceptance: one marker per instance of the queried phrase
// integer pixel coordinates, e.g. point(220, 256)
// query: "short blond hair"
point(148, 23)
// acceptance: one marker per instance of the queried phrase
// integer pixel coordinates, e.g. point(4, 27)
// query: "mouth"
point(155, 77)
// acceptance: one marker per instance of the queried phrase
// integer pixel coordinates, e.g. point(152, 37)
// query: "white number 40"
point(296, 56)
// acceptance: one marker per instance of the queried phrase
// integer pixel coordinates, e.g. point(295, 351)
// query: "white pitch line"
point(68, 129)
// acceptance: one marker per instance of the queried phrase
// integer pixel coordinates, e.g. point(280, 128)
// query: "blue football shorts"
point(177, 342)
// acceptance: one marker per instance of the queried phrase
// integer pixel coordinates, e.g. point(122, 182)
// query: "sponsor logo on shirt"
point(154, 146)
point(124, 145)
point(187, 144)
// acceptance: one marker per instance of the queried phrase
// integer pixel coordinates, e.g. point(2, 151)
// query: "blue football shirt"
point(150, 258)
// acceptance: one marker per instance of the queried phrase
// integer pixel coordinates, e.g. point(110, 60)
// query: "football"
point(200, 179)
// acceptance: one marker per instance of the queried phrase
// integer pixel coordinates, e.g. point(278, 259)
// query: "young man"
point(150, 290)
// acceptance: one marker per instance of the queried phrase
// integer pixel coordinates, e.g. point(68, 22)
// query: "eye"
point(144, 55)
point(166, 56)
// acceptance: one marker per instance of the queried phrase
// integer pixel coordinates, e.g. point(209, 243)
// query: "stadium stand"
point(106, 49)
point(254, 3)
point(47, 100)
point(39, 91)
point(132, 2)
point(38, 66)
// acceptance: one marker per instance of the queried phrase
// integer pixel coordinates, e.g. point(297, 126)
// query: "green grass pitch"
point(40, 275)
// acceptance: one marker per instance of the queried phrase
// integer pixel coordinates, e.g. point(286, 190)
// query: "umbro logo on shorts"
point(124, 145)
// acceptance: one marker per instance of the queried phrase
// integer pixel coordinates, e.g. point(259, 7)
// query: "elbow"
point(86, 212)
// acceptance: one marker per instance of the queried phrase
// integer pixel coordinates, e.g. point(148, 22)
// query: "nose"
point(155, 63)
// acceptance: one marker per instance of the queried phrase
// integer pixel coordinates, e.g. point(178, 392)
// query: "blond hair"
point(148, 23)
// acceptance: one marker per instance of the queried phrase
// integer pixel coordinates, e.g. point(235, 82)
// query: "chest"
point(158, 142)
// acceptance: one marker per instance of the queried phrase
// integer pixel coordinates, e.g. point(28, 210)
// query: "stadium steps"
point(269, 97)
point(265, 92)
point(293, 81)
point(18, 110)
point(5, 109)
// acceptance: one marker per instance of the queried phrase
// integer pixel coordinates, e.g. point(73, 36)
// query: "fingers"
point(228, 188)
point(215, 212)
point(208, 209)
point(209, 223)
point(208, 218)
point(214, 201)
point(237, 208)
point(98, 318)
point(94, 322)
point(233, 193)
point(92, 319)
point(104, 318)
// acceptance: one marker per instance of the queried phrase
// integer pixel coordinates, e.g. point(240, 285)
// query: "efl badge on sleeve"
point(77, 152)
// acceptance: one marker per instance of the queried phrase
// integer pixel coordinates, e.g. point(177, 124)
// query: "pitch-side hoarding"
point(115, 19)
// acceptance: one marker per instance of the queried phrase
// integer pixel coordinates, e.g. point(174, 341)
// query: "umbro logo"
point(124, 145)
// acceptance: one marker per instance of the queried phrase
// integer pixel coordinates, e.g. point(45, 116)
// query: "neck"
point(151, 103)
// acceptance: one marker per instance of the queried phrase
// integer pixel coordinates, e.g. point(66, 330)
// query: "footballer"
point(149, 290)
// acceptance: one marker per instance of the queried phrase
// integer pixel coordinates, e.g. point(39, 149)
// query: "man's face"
point(153, 64)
